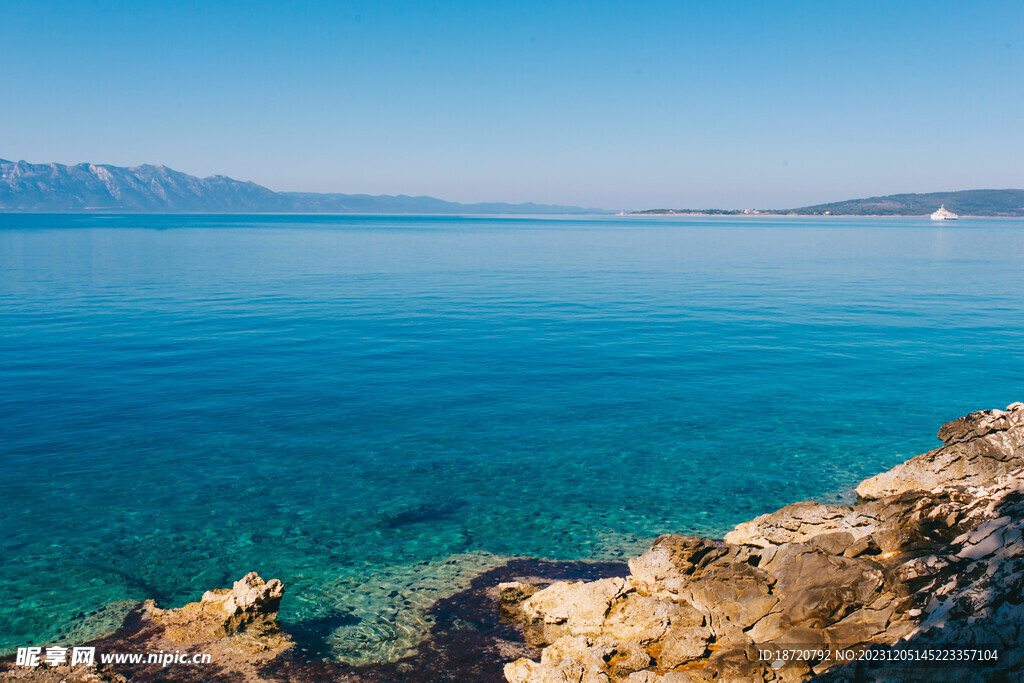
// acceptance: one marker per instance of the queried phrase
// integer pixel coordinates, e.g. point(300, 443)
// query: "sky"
point(616, 105)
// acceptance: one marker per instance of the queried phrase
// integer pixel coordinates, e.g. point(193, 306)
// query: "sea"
point(375, 409)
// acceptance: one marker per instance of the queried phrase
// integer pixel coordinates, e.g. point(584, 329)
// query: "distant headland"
point(102, 188)
point(987, 203)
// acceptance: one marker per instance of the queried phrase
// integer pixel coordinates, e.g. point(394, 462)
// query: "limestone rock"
point(575, 658)
point(934, 555)
point(801, 522)
point(979, 448)
point(221, 612)
point(236, 627)
point(579, 608)
point(511, 596)
point(670, 561)
point(514, 592)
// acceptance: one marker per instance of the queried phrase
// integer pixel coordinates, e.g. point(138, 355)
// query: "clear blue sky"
point(614, 105)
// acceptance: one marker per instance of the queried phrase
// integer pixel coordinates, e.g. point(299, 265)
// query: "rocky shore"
point(469, 641)
point(929, 559)
point(927, 568)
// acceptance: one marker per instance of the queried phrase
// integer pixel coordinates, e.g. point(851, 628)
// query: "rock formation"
point(250, 604)
point(236, 627)
point(979, 447)
point(931, 557)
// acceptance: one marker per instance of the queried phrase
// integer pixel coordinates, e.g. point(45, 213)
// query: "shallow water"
point(374, 409)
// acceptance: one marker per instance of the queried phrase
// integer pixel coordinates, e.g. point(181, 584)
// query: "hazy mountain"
point(964, 202)
point(158, 189)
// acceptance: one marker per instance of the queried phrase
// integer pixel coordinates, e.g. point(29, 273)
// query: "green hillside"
point(964, 202)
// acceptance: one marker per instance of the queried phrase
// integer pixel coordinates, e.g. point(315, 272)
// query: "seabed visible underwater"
point(376, 409)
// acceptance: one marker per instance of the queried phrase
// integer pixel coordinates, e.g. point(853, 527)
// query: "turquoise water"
point(374, 408)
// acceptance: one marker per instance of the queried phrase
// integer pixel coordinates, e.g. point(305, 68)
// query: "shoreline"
point(920, 545)
point(770, 214)
point(925, 569)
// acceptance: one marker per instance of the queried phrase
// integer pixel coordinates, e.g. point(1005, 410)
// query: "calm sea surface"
point(372, 409)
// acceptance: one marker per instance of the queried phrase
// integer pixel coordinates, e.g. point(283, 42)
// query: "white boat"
point(944, 214)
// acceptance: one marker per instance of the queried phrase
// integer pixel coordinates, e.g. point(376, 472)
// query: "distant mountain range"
point(993, 203)
point(158, 189)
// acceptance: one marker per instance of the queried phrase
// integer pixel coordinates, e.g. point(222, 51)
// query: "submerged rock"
point(930, 558)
